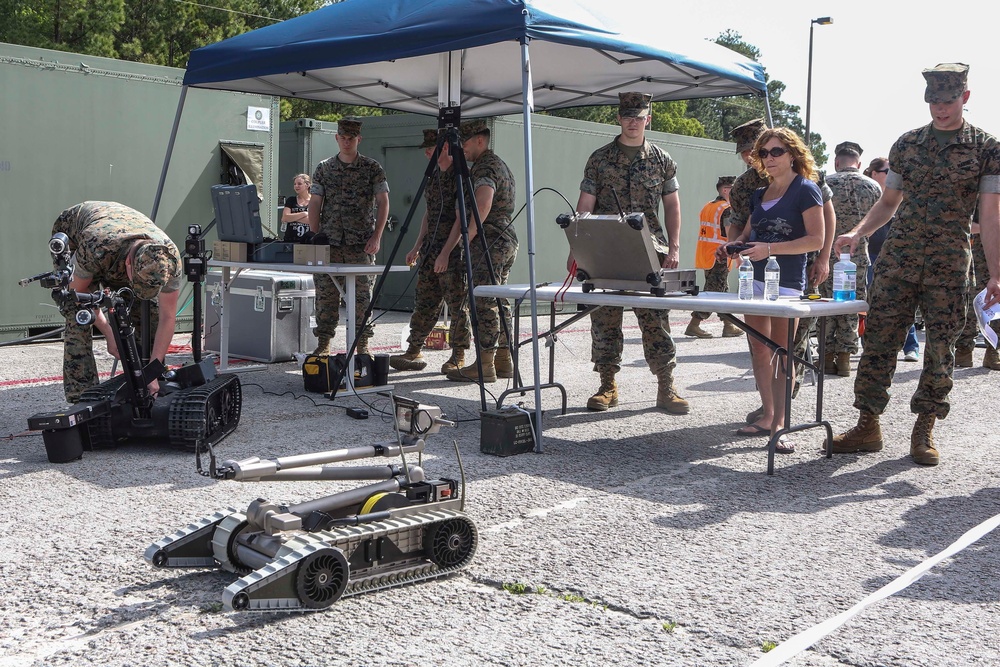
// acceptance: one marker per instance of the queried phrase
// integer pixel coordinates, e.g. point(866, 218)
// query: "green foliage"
point(517, 588)
point(720, 115)
point(669, 626)
point(667, 117)
point(768, 646)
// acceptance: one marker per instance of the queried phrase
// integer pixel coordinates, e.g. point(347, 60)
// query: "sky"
point(867, 85)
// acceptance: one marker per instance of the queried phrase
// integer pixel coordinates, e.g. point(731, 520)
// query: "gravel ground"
point(639, 537)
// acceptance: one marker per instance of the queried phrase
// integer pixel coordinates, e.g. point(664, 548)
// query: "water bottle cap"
point(845, 256)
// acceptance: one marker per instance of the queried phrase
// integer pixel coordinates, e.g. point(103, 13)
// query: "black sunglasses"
point(881, 171)
point(777, 151)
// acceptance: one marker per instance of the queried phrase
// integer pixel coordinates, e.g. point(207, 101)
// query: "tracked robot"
point(194, 408)
point(306, 556)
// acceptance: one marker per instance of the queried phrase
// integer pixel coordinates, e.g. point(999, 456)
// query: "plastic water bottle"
point(845, 279)
point(772, 274)
point(746, 279)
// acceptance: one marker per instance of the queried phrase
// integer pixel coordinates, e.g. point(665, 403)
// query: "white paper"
point(986, 315)
point(259, 119)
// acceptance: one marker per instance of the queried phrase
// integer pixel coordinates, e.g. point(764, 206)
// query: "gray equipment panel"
point(270, 314)
point(618, 253)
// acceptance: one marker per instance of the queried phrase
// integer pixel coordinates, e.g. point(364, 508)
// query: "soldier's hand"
point(441, 263)
point(113, 348)
point(819, 272)
point(992, 292)
point(672, 260)
point(154, 387)
point(411, 257)
point(374, 243)
point(848, 240)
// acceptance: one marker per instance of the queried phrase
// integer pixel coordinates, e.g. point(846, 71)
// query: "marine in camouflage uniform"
point(350, 206)
point(110, 240)
point(642, 175)
point(434, 288)
point(854, 194)
point(488, 174)
point(937, 173)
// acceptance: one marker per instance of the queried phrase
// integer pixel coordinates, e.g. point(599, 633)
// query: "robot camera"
point(59, 243)
point(84, 318)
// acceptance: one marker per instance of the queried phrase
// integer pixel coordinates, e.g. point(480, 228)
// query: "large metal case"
point(270, 314)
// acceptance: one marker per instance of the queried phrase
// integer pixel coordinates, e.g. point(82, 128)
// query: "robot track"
point(312, 571)
point(206, 413)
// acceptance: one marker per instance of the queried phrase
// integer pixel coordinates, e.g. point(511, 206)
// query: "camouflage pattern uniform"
point(640, 185)
point(348, 220)
point(739, 199)
point(450, 286)
point(925, 262)
point(978, 277)
point(853, 196)
point(101, 233)
point(490, 170)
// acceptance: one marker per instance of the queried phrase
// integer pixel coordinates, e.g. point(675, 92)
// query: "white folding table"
point(349, 272)
point(727, 305)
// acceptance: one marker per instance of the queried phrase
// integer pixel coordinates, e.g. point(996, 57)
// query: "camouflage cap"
point(945, 82)
point(471, 128)
point(724, 181)
point(848, 148)
point(430, 138)
point(746, 134)
point(153, 266)
point(349, 127)
point(633, 105)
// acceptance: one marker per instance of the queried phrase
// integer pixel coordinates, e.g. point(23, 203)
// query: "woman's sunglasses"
point(777, 151)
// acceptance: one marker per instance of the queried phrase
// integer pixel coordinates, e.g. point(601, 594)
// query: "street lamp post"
point(824, 20)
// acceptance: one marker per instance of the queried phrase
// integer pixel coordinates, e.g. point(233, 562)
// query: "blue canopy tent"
point(422, 55)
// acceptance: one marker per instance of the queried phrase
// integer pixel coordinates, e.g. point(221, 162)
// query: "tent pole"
point(170, 150)
point(529, 187)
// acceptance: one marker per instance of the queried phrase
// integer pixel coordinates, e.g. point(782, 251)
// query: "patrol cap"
point(153, 266)
point(633, 105)
point(746, 134)
point(848, 148)
point(945, 82)
point(724, 181)
point(430, 138)
point(471, 128)
point(349, 127)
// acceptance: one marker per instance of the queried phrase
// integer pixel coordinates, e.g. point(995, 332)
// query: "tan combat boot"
point(455, 362)
point(830, 363)
point(922, 442)
point(991, 359)
point(963, 357)
point(607, 394)
point(503, 363)
point(844, 364)
point(668, 398)
point(865, 437)
point(322, 347)
point(694, 329)
point(411, 360)
point(730, 330)
point(471, 374)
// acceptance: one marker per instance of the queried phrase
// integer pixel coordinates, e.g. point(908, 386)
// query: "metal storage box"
point(270, 314)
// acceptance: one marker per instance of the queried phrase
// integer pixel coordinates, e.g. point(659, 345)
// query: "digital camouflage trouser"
point(503, 252)
point(433, 288)
point(979, 275)
point(328, 295)
point(892, 306)
point(716, 280)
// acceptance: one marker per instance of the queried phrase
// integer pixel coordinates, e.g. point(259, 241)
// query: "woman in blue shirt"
point(786, 221)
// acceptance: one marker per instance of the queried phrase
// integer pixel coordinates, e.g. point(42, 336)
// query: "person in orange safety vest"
point(715, 216)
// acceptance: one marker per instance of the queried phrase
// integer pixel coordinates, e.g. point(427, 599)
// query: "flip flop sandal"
point(752, 430)
point(784, 446)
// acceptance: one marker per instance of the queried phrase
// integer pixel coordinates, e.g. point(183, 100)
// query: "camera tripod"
point(448, 133)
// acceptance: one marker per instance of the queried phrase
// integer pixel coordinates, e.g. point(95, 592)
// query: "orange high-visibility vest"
point(710, 235)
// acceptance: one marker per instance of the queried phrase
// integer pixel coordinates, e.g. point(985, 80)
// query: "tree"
point(667, 117)
point(720, 115)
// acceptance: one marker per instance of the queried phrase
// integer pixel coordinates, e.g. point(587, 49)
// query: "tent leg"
point(529, 188)
point(170, 150)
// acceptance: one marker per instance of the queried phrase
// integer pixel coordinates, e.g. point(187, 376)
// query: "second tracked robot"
point(306, 556)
